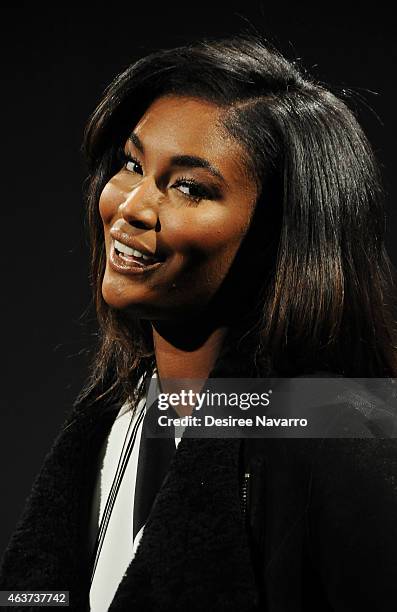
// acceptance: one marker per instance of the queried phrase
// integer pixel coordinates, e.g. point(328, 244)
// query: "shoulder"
point(355, 471)
point(348, 461)
point(335, 408)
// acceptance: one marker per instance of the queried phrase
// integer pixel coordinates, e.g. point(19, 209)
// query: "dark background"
point(56, 63)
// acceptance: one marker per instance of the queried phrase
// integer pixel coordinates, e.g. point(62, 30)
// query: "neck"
point(186, 349)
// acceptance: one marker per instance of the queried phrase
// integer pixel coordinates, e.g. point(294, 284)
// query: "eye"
point(133, 165)
point(129, 163)
point(193, 190)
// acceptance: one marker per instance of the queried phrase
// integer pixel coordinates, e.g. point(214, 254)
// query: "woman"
point(237, 230)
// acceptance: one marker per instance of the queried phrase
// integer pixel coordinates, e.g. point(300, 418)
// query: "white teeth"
point(126, 250)
point(122, 248)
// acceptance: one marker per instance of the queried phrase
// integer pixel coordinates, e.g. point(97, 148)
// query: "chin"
point(117, 297)
point(133, 305)
point(140, 302)
point(153, 310)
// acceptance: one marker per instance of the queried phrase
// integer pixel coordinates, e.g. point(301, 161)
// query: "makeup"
point(130, 264)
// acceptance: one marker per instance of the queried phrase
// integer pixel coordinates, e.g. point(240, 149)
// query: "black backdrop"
point(56, 63)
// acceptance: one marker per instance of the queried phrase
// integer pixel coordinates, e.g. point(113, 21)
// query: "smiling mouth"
point(126, 259)
point(128, 254)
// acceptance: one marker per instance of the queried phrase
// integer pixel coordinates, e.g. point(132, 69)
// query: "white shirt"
point(119, 546)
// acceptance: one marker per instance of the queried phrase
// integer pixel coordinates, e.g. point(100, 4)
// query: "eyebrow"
point(183, 161)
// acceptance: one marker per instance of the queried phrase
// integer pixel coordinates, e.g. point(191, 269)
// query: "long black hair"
point(327, 295)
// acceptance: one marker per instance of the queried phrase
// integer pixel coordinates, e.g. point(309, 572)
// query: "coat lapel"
point(193, 554)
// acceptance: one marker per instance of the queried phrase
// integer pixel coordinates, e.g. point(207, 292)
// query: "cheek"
point(109, 202)
point(205, 231)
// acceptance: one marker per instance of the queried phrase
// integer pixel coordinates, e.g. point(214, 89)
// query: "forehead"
point(174, 125)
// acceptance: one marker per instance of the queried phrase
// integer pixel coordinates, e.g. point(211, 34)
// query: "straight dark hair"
point(327, 295)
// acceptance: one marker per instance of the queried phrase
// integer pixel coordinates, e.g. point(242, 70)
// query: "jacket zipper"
point(245, 493)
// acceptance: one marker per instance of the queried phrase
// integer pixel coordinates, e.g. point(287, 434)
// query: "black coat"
point(319, 531)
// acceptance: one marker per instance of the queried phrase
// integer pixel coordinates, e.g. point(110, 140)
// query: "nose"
point(141, 205)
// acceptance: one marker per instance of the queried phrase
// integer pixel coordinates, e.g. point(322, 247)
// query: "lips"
point(129, 245)
point(131, 264)
point(129, 254)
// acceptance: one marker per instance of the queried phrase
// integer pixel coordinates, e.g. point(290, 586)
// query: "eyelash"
point(203, 192)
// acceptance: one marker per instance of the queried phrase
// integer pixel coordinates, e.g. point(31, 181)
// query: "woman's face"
point(182, 198)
